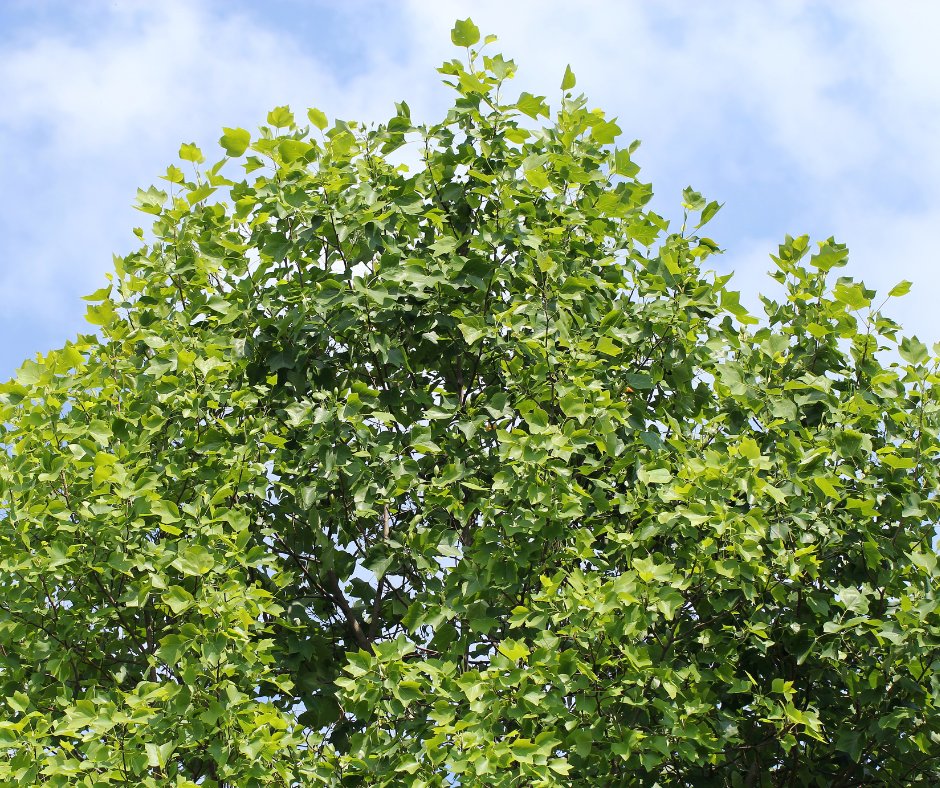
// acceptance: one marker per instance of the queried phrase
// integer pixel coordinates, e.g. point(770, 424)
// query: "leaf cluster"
point(468, 472)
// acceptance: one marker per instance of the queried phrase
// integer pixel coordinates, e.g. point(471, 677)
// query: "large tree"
point(428, 455)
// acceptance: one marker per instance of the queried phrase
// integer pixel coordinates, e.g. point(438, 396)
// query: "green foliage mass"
point(465, 472)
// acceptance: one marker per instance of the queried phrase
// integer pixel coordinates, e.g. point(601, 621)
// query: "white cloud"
point(801, 116)
point(93, 115)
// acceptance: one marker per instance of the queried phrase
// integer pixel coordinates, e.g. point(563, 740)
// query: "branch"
point(337, 595)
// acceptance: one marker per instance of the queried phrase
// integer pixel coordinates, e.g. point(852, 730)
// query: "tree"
point(465, 473)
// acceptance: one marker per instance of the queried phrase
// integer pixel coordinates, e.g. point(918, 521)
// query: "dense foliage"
point(428, 455)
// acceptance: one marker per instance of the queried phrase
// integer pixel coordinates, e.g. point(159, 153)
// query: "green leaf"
point(900, 289)
point(573, 405)
point(281, 117)
point(568, 81)
point(853, 600)
point(650, 570)
point(654, 475)
point(731, 301)
point(235, 141)
point(150, 201)
point(174, 174)
point(605, 132)
point(194, 560)
point(470, 333)
point(892, 460)
point(178, 599)
point(317, 118)
point(292, 150)
point(167, 511)
point(513, 649)
point(199, 193)
point(852, 294)
point(827, 486)
point(297, 413)
point(465, 33)
point(538, 178)
point(18, 701)
point(189, 152)
point(624, 165)
point(533, 106)
point(913, 350)
point(608, 347)
point(830, 255)
point(158, 755)
point(692, 200)
point(537, 419)
point(926, 561)
point(708, 213)
point(101, 315)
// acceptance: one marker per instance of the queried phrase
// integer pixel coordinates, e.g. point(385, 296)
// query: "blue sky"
point(802, 117)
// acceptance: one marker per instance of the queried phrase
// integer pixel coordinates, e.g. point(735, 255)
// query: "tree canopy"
point(429, 455)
